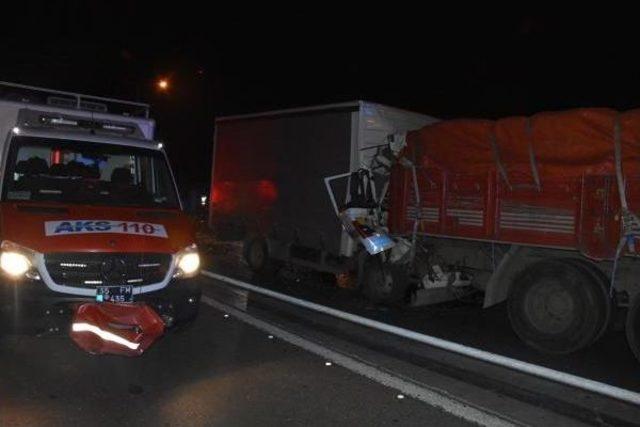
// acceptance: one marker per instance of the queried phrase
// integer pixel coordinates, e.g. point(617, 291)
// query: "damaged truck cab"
point(89, 210)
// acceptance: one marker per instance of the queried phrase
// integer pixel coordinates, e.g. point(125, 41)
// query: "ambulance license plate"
point(114, 293)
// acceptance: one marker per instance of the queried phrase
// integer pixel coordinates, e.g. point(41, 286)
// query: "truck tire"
point(384, 283)
point(256, 254)
point(604, 283)
point(633, 326)
point(557, 307)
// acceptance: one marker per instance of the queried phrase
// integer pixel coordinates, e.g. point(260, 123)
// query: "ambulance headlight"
point(188, 262)
point(14, 264)
point(15, 260)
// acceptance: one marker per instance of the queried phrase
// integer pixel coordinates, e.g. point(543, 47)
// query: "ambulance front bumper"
point(30, 303)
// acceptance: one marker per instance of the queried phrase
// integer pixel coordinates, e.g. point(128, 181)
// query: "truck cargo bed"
point(549, 180)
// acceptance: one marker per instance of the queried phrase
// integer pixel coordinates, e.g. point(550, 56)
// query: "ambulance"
point(89, 210)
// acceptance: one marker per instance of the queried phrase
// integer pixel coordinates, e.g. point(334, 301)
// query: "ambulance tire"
point(189, 314)
point(185, 322)
point(557, 307)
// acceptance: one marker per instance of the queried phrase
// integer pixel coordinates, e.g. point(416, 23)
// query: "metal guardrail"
point(474, 353)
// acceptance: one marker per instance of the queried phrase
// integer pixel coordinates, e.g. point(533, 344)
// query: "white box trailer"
point(269, 170)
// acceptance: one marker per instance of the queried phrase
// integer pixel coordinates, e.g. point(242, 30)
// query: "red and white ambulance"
point(89, 210)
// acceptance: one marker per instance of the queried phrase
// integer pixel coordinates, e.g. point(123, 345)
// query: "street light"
point(163, 84)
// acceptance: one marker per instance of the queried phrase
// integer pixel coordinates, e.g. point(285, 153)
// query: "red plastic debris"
point(112, 328)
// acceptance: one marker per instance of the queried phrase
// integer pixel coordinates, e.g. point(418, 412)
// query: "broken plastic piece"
point(111, 328)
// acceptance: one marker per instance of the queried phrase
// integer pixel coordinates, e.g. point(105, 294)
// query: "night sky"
point(472, 64)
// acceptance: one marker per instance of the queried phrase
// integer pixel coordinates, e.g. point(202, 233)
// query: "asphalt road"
point(219, 371)
point(227, 370)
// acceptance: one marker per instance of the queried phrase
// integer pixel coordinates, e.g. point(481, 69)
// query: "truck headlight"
point(14, 259)
point(187, 262)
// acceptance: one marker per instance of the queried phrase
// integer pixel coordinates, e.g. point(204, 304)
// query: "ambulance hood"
point(60, 228)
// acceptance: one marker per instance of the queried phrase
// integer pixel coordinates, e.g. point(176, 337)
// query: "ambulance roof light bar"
point(38, 95)
point(60, 121)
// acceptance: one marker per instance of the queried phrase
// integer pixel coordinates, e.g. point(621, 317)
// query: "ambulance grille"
point(88, 270)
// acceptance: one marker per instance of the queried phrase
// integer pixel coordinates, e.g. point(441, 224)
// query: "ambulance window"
point(155, 178)
point(89, 173)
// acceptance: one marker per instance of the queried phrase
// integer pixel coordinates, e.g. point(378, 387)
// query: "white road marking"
point(446, 403)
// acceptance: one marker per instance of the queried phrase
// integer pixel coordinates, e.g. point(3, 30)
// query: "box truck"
point(268, 182)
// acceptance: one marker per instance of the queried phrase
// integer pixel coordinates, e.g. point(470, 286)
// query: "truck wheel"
point(256, 254)
point(633, 326)
point(557, 307)
point(384, 283)
point(604, 283)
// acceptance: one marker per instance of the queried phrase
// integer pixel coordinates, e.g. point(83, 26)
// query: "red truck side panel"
point(477, 180)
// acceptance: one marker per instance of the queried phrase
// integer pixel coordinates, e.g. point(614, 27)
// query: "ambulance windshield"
point(69, 171)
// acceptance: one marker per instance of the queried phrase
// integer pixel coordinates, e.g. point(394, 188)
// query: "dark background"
point(462, 62)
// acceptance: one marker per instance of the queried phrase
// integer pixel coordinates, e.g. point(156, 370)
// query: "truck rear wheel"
point(604, 283)
point(557, 307)
point(256, 254)
point(384, 283)
point(633, 326)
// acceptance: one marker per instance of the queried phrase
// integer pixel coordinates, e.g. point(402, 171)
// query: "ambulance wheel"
point(185, 322)
point(633, 326)
point(557, 307)
point(256, 254)
point(384, 283)
point(189, 314)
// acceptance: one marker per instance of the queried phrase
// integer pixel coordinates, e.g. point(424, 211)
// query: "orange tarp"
point(565, 143)
point(455, 145)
